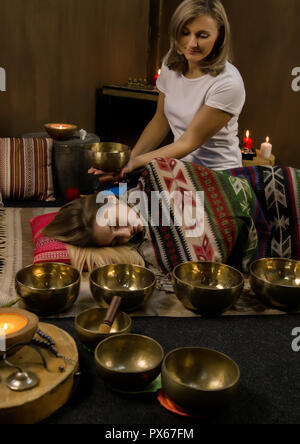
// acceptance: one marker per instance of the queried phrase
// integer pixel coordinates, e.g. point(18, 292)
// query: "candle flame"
point(247, 133)
point(5, 327)
point(60, 126)
point(159, 71)
point(268, 139)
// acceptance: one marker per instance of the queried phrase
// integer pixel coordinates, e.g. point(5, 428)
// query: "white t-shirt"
point(184, 97)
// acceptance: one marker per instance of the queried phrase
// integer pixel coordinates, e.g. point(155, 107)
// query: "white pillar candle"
point(266, 149)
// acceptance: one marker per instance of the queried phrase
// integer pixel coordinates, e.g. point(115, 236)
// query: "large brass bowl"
point(129, 362)
point(276, 282)
point(87, 324)
point(207, 287)
point(135, 284)
point(108, 156)
point(199, 379)
point(48, 288)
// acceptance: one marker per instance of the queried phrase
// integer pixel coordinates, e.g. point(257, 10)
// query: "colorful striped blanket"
point(248, 213)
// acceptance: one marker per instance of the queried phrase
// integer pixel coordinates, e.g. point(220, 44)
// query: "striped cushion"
point(26, 168)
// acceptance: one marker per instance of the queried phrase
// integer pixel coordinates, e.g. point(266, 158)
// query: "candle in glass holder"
point(266, 149)
point(248, 142)
point(12, 323)
point(156, 76)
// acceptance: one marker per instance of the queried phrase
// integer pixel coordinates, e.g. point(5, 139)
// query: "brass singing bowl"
point(129, 361)
point(199, 379)
point(108, 156)
point(208, 288)
point(87, 324)
point(48, 288)
point(276, 282)
point(64, 133)
point(133, 283)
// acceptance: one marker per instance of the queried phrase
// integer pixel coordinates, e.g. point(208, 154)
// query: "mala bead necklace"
point(48, 343)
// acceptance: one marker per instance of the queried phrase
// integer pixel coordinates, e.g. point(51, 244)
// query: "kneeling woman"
point(227, 220)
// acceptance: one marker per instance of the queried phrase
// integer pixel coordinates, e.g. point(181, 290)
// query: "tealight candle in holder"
point(60, 131)
point(16, 326)
point(266, 149)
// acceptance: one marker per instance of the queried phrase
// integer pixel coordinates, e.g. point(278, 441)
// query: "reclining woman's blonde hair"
point(222, 51)
point(74, 223)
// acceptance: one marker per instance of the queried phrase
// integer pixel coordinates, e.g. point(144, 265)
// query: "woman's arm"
point(155, 132)
point(207, 122)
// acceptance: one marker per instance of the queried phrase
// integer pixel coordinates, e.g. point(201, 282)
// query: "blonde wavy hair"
point(222, 51)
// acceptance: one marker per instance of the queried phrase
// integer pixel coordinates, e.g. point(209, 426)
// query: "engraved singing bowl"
point(208, 288)
point(108, 156)
point(129, 361)
point(276, 282)
point(133, 283)
point(48, 288)
point(64, 133)
point(199, 379)
point(87, 324)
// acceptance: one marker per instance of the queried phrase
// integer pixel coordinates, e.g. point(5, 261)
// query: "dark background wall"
point(57, 52)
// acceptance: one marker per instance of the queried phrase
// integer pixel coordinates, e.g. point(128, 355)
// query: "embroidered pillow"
point(47, 249)
point(26, 169)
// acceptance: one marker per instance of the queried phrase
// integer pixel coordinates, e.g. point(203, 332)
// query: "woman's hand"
point(117, 175)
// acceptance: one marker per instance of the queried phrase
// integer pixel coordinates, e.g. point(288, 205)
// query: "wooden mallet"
point(110, 316)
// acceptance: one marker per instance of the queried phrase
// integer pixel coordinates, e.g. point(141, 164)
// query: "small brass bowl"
point(88, 322)
point(135, 284)
point(207, 287)
point(60, 131)
point(276, 282)
point(199, 379)
point(48, 288)
point(129, 362)
point(108, 156)
point(25, 334)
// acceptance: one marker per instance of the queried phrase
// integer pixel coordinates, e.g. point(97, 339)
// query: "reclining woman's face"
point(116, 224)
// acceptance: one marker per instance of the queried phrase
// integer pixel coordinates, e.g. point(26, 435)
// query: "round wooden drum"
point(55, 386)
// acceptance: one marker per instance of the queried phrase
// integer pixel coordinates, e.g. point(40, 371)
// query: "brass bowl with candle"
point(108, 156)
point(48, 288)
point(276, 282)
point(87, 325)
point(199, 379)
point(16, 326)
point(60, 131)
point(133, 283)
point(208, 288)
point(129, 361)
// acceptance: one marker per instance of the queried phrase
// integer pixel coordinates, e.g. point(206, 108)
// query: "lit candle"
point(12, 323)
point(248, 142)
point(266, 149)
point(156, 76)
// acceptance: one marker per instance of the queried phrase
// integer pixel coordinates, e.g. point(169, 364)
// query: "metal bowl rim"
point(125, 290)
point(271, 284)
point(77, 281)
point(123, 336)
point(209, 288)
point(205, 349)
point(126, 147)
point(77, 324)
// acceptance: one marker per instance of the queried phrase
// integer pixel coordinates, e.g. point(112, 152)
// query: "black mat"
point(269, 390)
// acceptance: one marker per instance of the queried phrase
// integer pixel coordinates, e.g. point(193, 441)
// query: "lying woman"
point(229, 234)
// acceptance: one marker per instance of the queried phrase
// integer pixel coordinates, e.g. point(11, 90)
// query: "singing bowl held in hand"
point(276, 282)
point(199, 379)
point(108, 156)
point(129, 361)
point(133, 283)
point(48, 288)
point(208, 288)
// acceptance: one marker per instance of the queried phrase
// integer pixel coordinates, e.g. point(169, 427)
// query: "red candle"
point(156, 77)
point(248, 142)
